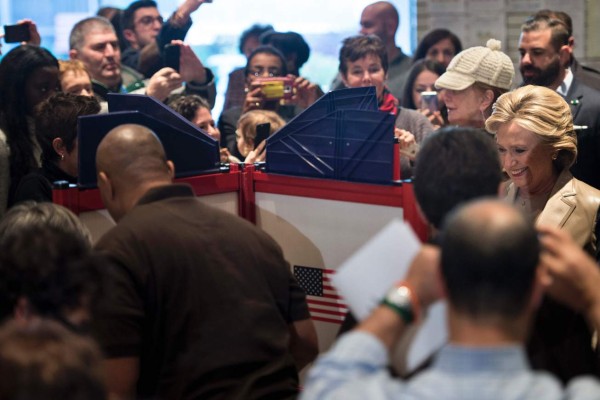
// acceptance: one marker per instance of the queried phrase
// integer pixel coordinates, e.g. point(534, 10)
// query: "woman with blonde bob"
point(537, 146)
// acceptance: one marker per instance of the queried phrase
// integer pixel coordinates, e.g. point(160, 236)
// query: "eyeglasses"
point(149, 20)
point(260, 71)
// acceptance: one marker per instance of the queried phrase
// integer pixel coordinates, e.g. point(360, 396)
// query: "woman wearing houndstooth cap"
point(475, 78)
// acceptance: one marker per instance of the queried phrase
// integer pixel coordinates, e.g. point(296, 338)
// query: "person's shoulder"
point(583, 388)
point(130, 75)
point(580, 88)
point(543, 385)
point(410, 113)
point(414, 117)
point(586, 191)
point(34, 186)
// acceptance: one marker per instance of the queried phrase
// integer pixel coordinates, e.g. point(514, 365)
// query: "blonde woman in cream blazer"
point(537, 146)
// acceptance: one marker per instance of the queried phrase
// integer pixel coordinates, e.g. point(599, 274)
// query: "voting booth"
point(328, 185)
point(194, 152)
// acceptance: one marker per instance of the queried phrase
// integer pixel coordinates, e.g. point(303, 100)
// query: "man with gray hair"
point(94, 42)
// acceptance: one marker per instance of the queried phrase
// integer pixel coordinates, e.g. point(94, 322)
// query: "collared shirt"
point(356, 369)
point(565, 85)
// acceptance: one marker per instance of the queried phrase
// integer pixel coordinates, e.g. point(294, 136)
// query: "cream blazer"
point(573, 205)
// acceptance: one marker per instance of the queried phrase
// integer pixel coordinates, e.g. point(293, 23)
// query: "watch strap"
point(409, 310)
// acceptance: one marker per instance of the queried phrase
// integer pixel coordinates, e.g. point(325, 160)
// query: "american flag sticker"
point(323, 301)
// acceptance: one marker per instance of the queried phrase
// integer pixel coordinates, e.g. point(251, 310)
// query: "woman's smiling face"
point(526, 160)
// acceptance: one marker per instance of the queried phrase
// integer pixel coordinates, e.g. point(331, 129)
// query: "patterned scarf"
point(389, 103)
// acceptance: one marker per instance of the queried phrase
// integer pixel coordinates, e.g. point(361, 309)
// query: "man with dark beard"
point(545, 59)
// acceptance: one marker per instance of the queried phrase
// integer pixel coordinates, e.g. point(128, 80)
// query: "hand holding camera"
point(24, 32)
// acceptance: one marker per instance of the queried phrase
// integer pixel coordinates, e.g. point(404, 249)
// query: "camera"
point(16, 33)
point(277, 88)
point(429, 101)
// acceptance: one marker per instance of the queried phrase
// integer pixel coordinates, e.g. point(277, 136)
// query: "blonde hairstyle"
point(74, 66)
point(542, 111)
point(247, 123)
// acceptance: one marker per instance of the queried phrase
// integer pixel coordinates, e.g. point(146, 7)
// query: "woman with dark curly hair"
point(28, 75)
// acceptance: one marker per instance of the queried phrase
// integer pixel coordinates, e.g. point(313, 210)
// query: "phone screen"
point(172, 54)
point(262, 132)
point(429, 101)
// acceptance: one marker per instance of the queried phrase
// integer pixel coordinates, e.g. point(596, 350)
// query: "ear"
point(171, 168)
point(59, 146)
point(130, 36)
point(105, 186)
point(564, 54)
point(487, 99)
point(73, 54)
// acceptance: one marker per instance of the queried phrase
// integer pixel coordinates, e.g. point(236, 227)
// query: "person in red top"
point(364, 62)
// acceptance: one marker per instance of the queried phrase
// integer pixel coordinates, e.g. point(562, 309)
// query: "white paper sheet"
point(366, 276)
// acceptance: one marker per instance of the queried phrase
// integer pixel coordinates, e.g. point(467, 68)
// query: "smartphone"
point(16, 33)
point(429, 101)
point(262, 132)
point(172, 55)
point(277, 88)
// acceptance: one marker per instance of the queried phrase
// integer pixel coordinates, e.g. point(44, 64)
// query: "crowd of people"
point(182, 301)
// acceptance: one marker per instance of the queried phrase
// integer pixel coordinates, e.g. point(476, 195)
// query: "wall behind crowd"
point(475, 21)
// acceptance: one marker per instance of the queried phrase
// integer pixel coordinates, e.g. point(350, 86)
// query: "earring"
point(62, 156)
point(554, 157)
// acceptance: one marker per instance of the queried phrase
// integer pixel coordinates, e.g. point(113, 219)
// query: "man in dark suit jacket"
point(583, 73)
point(545, 59)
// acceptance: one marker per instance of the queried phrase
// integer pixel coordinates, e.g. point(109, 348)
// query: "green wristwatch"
point(398, 299)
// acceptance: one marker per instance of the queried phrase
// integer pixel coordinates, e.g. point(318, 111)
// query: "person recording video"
point(286, 96)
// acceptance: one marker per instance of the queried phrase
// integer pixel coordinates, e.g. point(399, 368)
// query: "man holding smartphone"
point(143, 26)
point(94, 42)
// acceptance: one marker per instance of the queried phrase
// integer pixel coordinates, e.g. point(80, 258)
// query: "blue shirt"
point(356, 368)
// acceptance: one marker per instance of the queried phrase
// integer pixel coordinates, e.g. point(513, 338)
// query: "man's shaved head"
point(382, 19)
point(130, 160)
